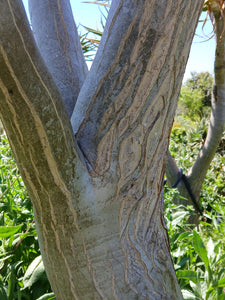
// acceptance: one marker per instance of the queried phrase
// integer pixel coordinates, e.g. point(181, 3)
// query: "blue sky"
point(201, 57)
point(202, 52)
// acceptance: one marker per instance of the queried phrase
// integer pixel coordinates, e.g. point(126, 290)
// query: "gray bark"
point(98, 198)
point(59, 44)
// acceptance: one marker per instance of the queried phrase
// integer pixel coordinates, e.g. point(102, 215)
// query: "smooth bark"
point(98, 199)
point(59, 44)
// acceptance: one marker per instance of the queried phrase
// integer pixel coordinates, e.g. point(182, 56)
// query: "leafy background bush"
point(199, 253)
point(22, 274)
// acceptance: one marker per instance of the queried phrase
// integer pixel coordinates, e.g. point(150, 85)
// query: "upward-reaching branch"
point(197, 173)
point(31, 107)
point(217, 120)
point(58, 41)
point(26, 82)
point(42, 140)
point(128, 71)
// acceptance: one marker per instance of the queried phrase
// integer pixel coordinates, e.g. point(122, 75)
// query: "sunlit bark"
point(98, 198)
point(58, 41)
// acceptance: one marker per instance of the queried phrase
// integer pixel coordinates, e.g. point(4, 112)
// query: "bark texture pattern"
point(98, 198)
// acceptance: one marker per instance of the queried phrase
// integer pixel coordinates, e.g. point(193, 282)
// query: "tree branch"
point(28, 92)
point(217, 120)
point(197, 173)
point(99, 67)
point(58, 41)
point(172, 170)
point(172, 175)
point(42, 141)
point(125, 78)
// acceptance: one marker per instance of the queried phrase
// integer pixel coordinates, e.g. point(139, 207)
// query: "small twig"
point(11, 184)
point(95, 2)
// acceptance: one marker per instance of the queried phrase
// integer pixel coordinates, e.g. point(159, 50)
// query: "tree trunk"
point(97, 197)
point(198, 171)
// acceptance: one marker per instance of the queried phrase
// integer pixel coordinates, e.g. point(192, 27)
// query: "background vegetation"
point(198, 253)
point(22, 275)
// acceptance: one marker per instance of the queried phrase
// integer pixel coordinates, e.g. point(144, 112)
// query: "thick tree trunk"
point(98, 199)
point(198, 171)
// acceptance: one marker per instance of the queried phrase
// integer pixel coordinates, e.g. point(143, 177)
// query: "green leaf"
point(5, 258)
point(200, 249)
point(97, 32)
point(189, 295)
point(49, 296)
point(35, 272)
point(178, 217)
point(187, 274)
point(210, 249)
point(12, 283)
point(7, 231)
point(184, 235)
point(221, 283)
point(196, 287)
point(3, 295)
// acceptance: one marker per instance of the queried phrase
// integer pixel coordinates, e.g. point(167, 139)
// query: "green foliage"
point(22, 274)
point(186, 142)
point(195, 97)
point(191, 102)
point(90, 40)
point(202, 82)
point(199, 254)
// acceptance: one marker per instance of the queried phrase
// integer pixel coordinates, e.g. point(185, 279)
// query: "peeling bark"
point(98, 199)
